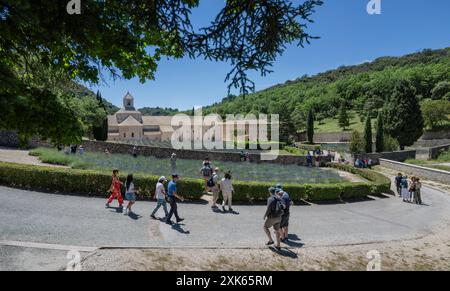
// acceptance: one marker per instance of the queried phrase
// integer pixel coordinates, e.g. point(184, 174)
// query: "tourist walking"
point(130, 194)
point(412, 189)
point(213, 185)
point(81, 150)
point(417, 193)
point(309, 159)
point(172, 195)
point(115, 190)
point(287, 203)
point(206, 172)
point(160, 195)
point(173, 163)
point(405, 189)
point(226, 186)
point(272, 218)
point(398, 183)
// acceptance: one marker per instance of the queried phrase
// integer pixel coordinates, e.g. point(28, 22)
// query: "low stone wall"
point(429, 143)
point(431, 153)
point(400, 156)
point(429, 135)
point(11, 139)
point(421, 172)
point(330, 137)
point(164, 153)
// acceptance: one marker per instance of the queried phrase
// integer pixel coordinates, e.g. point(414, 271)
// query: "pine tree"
point(402, 115)
point(379, 143)
point(101, 131)
point(343, 118)
point(310, 126)
point(368, 134)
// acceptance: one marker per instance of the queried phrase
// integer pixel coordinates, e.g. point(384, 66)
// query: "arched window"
point(132, 134)
point(124, 135)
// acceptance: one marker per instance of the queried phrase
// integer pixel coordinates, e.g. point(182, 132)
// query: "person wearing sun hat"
point(160, 195)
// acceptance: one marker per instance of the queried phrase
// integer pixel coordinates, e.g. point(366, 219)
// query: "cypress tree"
point(343, 118)
point(101, 131)
point(368, 134)
point(310, 126)
point(379, 143)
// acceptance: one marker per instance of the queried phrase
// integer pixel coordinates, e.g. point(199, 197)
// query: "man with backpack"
point(213, 185)
point(272, 217)
point(206, 172)
point(287, 203)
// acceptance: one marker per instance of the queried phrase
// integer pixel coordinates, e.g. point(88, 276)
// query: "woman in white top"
point(130, 193)
point(227, 191)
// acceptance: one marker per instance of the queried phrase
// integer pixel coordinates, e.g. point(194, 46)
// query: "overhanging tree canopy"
point(128, 38)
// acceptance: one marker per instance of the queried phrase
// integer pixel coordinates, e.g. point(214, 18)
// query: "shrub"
point(378, 182)
point(87, 182)
point(96, 183)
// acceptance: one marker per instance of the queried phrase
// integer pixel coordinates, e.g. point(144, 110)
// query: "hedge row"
point(94, 183)
point(378, 182)
point(86, 182)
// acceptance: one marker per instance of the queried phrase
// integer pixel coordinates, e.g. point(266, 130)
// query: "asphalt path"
point(31, 221)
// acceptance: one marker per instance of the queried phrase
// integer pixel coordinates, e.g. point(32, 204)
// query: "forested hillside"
point(363, 88)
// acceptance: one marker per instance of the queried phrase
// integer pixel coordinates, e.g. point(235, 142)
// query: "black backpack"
point(277, 208)
point(210, 182)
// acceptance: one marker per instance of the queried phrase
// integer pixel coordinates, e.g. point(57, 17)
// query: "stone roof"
point(130, 121)
point(112, 120)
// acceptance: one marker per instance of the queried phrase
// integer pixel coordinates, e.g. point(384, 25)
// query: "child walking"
point(115, 190)
point(130, 193)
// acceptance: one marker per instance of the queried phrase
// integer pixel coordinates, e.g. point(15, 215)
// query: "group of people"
point(409, 189)
point(73, 149)
point(277, 215)
point(363, 163)
point(313, 159)
point(215, 185)
point(161, 195)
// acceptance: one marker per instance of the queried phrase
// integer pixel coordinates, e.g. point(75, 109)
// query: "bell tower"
point(128, 102)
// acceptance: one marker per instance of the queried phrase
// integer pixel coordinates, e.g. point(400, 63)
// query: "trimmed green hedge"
point(95, 183)
point(378, 182)
point(86, 182)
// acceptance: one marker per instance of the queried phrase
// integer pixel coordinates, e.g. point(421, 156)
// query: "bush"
point(95, 183)
point(87, 182)
point(379, 183)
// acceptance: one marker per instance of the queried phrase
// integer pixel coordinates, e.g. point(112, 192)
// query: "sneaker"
point(169, 222)
point(107, 205)
point(278, 248)
point(180, 220)
point(269, 243)
point(231, 210)
point(223, 208)
point(152, 216)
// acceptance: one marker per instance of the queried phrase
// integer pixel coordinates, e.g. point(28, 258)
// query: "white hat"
point(162, 178)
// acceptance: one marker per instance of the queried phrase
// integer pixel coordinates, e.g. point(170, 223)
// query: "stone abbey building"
point(128, 124)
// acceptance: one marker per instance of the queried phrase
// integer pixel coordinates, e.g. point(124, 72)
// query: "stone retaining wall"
point(159, 152)
point(419, 171)
point(400, 156)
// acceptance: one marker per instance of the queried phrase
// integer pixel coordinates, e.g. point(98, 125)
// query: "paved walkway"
point(10, 155)
point(67, 220)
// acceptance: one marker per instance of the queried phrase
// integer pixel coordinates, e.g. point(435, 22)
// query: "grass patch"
point(332, 125)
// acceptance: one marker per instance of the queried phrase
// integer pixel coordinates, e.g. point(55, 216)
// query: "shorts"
point(284, 220)
point(130, 197)
point(273, 222)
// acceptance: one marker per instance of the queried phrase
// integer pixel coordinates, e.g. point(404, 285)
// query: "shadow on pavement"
point(134, 216)
point(284, 252)
point(178, 227)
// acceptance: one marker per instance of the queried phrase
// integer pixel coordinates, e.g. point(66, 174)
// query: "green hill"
point(364, 88)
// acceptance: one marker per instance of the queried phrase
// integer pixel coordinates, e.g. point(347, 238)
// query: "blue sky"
point(349, 35)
